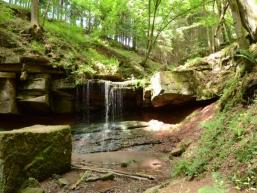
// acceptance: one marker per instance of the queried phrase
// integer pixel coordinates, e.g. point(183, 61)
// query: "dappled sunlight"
point(155, 126)
point(139, 92)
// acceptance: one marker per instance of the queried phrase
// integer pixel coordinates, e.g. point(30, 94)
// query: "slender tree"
point(35, 12)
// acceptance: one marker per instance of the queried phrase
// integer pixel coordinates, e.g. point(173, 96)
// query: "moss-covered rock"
point(37, 152)
point(200, 79)
point(31, 186)
point(170, 87)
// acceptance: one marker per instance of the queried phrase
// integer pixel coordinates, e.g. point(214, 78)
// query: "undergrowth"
point(69, 33)
point(229, 141)
point(5, 14)
point(219, 185)
point(69, 47)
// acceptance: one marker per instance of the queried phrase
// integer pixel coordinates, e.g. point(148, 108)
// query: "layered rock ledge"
point(199, 79)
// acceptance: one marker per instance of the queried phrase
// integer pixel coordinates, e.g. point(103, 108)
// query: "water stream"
point(107, 95)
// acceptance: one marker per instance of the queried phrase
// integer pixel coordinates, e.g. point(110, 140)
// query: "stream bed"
point(130, 147)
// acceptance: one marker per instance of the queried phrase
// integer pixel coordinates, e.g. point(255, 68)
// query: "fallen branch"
point(105, 177)
point(136, 176)
point(81, 179)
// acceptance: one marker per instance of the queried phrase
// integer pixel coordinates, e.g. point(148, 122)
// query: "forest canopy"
point(145, 24)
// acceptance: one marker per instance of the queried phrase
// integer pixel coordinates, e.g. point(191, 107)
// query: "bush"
point(5, 14)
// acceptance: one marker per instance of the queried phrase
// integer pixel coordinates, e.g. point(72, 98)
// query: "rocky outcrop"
point(199, 79)
point(172, 88)
point(34, 92)
point(7, 93)
point(37, 152)
point(41, 88)
point(121, 95)
point(63, 95)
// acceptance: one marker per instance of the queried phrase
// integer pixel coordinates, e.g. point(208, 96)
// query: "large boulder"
point(172, 88)
point(198, 79)
point(37, 152)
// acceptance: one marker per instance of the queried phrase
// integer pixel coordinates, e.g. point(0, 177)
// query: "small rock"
point(32, 190)
point(177, 152)
point(180, 149)
point(127, 163)
point(62, 182)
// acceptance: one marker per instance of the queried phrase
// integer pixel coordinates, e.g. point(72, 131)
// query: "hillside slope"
point(68, 47)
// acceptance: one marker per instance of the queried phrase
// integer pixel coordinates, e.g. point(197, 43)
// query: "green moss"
point(37, 47)
point(238, 91)
point(6, 14)
point(36, 152)
point(194, 61)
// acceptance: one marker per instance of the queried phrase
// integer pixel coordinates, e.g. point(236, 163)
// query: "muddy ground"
point(145, 150)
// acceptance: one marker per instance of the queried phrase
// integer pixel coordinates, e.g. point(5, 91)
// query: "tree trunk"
point(35, 12)
point(248, 13)
point(238, 24)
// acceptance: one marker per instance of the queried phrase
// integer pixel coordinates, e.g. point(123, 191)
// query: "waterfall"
point(116, 97)
point(88, 87)
point(101, 101)
point(107, 97)
point(107, 88)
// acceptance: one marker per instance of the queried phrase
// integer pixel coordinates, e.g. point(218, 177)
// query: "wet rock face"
point(7, 93)
point(37, 152)
point(124, 95)
point(132, 135)
point(172, 88)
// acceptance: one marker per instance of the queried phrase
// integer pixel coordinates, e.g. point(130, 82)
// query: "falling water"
point(107, 88)
point(116, 96)
point(88, 87)
point(112, 96)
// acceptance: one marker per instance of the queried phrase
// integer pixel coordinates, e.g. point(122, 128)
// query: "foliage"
point(247, 55)
point(132, 23)
point(69, 33)
point(232, 94)
point(238, 91)
point(37, 47)
point(245, 180)
point(229, 137)
point(210, 139)
point(5, 14)
point(218, 185)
